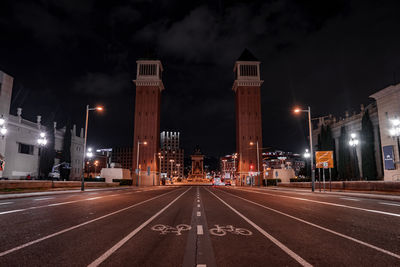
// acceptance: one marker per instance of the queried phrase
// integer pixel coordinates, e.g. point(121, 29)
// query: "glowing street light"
point(42, 141)
point(308, 111)
point(353, 140)
point(3, 129)
point(98, 108)
point(307, 154)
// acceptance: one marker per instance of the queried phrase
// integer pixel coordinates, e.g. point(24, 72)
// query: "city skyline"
point(66, 55)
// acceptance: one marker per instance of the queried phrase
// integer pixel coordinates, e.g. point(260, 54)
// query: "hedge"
point(300, 180)
point(271, 182)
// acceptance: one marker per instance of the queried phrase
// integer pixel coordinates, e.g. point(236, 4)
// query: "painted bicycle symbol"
point(166, 229)
point(222, 230)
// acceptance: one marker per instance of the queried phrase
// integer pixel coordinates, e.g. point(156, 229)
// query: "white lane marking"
point(201, 265)
point(43, 198)
point(322, 228)
point(200, 230)
point(93, 198)
point(291, 253)
point(390, 204)
point(327, 203)
point(10, 211)
point(198, 205)
point(61, 203)
point(109, 252)
point(348, 198)
point(198, 213)
point(6, 203)
point(79, 225)
point(198, 200)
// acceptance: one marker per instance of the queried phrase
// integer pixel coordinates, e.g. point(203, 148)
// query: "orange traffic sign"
point(324, 159)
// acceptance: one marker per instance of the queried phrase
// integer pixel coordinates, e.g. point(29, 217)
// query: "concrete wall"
point(115, 173)
point(49, 184)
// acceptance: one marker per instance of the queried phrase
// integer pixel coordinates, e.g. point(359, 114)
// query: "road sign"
point(322, 157)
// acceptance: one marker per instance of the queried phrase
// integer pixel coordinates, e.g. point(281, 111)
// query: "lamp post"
point(395, 132)
point(224, 162)
point(178, 165)
point(297, 110)
point(172, 162)
point(353, 142)
point(42, 141)
point(234, 166)
point(84, 143)
point(160, 157)
point(96, 163)
point(137, 161)
point(258, 163)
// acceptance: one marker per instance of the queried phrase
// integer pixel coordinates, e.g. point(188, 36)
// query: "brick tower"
point(248, 118)
point(147, 121)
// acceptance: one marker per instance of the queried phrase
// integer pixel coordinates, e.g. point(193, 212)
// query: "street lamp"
point(160, 157)
point(96, 163)
point(234, 166)
point(178, 165)
point(89, 155)
point(172, 162)
point(224, 161)
point(298, 110)
point(84, 142)
point(395, 131)
point(258, 163)
point(137, 161)
point(353, 142)
point(3, 129)
point(42, 141)
point(307, 154)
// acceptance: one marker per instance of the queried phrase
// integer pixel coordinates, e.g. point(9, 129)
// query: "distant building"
point(228, 166)
point(352, 123)
point(388, 114)
point(172, 156)
point(19, 148)
point(123, 156)
point(282, 160)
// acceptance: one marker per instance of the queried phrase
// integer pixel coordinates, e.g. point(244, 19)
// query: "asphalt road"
point(199, 226)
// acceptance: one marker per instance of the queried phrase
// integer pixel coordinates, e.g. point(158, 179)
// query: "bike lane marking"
point(79, 225)
point(322, 228)
point(199, 250)
point(119, 244)
point(288, 251)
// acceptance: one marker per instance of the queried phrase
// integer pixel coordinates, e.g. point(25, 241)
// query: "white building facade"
point(19, 147)
point(388, 102)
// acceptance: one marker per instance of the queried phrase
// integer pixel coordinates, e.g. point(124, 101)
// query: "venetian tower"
point(146, 141)
point(248, 118)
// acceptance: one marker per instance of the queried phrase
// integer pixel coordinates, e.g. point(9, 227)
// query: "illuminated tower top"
point(149, 73)
point(247, 70)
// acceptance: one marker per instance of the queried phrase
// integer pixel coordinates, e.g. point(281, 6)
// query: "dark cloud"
point(330, 55)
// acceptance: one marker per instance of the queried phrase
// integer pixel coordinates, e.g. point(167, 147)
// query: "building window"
point(25, 149)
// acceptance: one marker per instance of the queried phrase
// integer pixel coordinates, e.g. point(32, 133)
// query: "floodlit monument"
point(247, 86)
point(197, 173)
point(146, 139)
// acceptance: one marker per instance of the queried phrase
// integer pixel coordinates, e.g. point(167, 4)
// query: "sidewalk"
point(57, 191)
point(369, 194)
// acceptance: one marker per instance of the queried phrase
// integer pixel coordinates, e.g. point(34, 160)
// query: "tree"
point(66, 153)
point(369, 169)
point(326, 142)
point(344, 156)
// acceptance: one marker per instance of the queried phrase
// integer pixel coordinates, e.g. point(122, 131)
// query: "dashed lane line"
point(79, 225)
point(200, 230)
point(390, 204)
point(44, 198)
point(348, 198)
point(198, 205)
point(6, 203)
point(93, 198)
point(326, 203)
point(198, 213)
point(288, 251)
point(322, 228)
point(114, 248)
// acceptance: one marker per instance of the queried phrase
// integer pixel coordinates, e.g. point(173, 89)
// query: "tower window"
point(248, 70)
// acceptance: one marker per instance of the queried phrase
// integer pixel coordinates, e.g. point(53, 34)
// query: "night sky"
point(64, 54)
